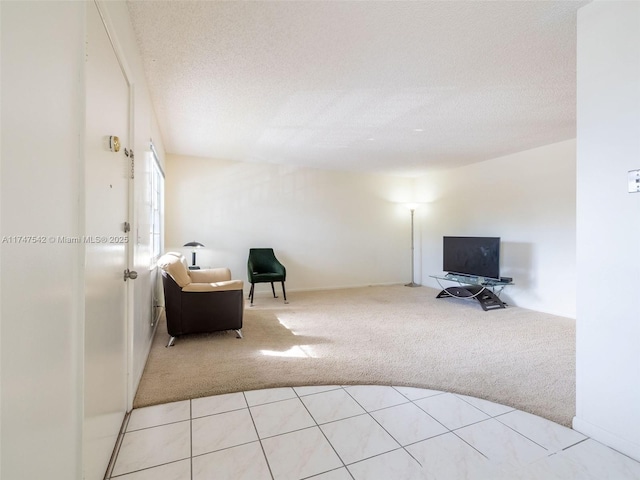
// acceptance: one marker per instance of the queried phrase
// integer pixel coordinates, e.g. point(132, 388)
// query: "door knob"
point(132, 274)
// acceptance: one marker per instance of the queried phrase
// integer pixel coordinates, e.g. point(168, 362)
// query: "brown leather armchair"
point(200, 301)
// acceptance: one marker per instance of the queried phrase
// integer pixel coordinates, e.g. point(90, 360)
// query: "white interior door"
point(106, 197)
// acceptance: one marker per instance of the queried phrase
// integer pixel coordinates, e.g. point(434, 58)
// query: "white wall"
point(42, 329)
point(344, 229)
point(528, 200)
point(608, 225)
point(330, 229)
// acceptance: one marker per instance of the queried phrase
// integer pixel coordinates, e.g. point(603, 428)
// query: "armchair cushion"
point(210, 275)
point(214, 286)
point(173, 264)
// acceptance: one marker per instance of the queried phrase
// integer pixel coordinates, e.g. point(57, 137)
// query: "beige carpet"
point(376, 335)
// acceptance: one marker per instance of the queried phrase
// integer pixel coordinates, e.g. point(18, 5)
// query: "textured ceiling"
point(391, 87)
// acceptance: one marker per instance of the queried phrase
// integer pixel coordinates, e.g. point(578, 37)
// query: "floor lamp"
point(412, 207)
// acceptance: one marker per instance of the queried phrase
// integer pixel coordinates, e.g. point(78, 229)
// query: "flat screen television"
point(474, 256)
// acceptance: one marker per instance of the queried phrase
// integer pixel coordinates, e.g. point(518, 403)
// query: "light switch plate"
point(634, 181)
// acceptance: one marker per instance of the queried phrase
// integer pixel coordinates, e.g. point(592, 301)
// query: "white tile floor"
point(356, 433)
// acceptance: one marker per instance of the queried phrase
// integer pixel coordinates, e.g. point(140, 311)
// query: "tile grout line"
point(116, 450)
point(268, 403)
point(464, 426)
point(266, 459)
point(148, 468)
point(316, 475)
point(218, 413)
point(401, 447)
point(344, 465)
point(156, 426)
point(223, 449)
point(578, 443)
point(524, 436)
point(191, 438)
point(438, 393)
point(449, 430)
point(125, 430)
point(550, 452)
point(434, 418)
point(478, 408)
point(471, 445)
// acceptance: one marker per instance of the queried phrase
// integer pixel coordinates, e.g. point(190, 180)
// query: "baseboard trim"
point(601, 435)
point(116, 448)
point(338, 287)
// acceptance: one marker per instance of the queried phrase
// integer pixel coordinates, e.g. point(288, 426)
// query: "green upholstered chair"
point(264, 267)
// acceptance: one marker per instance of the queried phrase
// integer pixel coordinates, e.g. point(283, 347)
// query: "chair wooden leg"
point(251, 293)
point(273, 290)
point(284, 293)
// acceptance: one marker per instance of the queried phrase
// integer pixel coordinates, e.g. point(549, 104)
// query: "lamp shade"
point(193, 244)
point(412, 206)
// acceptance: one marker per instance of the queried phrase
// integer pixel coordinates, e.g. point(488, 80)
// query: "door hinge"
point(133, 165)
point(127, 227)
point(129, 153)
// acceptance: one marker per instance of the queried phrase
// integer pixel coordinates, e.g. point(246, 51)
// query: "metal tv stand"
point(485, 290)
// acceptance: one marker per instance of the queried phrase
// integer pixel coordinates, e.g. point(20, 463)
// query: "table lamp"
point(194, 245)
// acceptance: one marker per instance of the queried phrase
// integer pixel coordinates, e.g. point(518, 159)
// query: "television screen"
point(475, 256)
